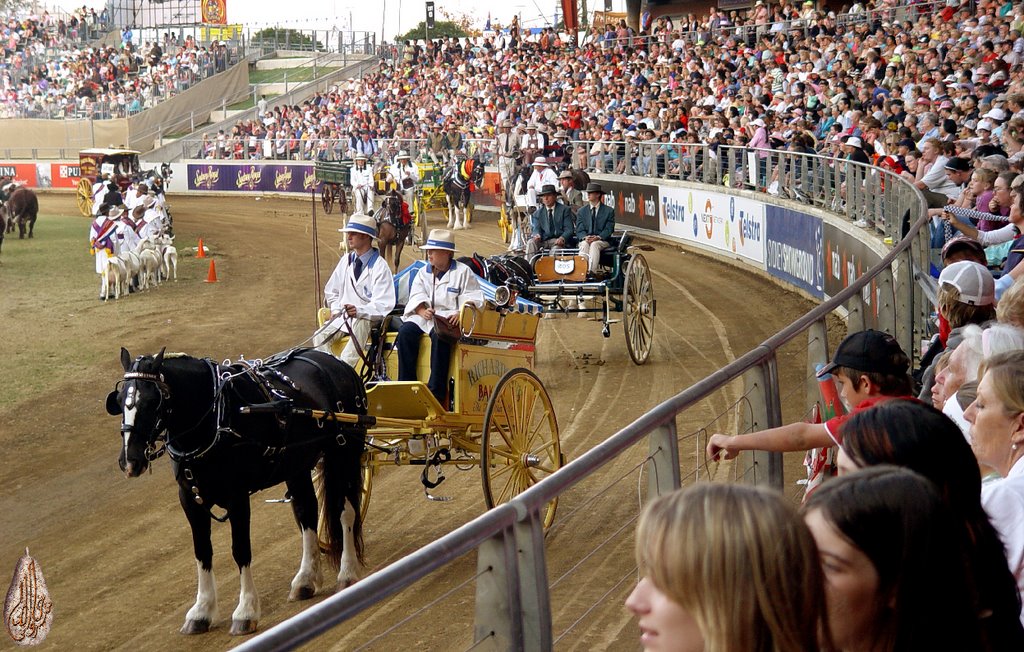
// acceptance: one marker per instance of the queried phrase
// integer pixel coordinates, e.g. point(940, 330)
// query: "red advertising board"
point(23, 173)
point(65, 174)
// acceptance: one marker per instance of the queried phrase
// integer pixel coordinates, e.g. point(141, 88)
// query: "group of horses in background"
point(20, 208)
point(463, 175)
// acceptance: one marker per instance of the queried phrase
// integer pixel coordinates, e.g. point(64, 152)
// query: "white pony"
point(168, 256)
point(115, 276)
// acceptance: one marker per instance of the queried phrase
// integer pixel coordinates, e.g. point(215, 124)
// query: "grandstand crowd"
point(51, 69)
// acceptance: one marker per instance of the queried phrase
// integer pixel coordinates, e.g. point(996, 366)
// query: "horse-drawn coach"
point(121, 164)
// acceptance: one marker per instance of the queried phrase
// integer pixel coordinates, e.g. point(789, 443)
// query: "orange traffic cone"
point(211, 276)
point(202, 250)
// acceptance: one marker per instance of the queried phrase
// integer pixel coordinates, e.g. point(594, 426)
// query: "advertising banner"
point(635, 204)
point(65, 175)
point(733, 225)
point(793, 249)
point(269, 177)
point(846, 260)
point(23, 173)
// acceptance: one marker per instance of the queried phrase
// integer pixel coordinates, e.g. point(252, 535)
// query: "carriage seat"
point(619, 242)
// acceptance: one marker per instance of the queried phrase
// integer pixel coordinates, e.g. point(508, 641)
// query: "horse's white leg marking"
point(350, 569)
point(310, 576)
point(205, 608)
point(248, 609)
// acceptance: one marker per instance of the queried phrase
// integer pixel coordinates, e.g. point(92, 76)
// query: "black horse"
point(233, 430)
point(462, 176)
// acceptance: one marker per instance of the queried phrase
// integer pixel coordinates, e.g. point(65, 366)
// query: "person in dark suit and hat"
point(594, 225)
point(551, 222)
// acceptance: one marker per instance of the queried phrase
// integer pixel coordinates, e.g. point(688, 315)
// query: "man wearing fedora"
point(594, 225)
point(438, 292)
point(360, 292)
point(551, 223)
point(361, 179)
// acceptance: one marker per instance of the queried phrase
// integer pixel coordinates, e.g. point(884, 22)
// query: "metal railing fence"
point(512, 606)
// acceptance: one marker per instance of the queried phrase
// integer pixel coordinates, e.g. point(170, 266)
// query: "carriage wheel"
point(519, 445)
point(327, 197)
point(343, 200)
point(638, 308)
point(84, 192)
point(368, 471)
point(503, 224)
point(420, 221)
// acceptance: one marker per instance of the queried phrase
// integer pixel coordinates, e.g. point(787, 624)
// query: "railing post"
point(761, 389)
point(817, 354)
point(498, 606)
point(663, 449)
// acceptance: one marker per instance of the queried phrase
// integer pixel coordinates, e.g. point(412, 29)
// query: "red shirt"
point(832, 426)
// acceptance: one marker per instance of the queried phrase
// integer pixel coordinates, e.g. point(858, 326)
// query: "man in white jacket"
point(360, 292)
point(361, 178)
point(438, 292)
point(542, 176)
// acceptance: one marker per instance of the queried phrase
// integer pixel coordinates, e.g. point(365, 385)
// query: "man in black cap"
point(594, 225)
point(944, 191)
point(551, 223)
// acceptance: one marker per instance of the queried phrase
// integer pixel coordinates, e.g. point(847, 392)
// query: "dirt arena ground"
point(116, 553)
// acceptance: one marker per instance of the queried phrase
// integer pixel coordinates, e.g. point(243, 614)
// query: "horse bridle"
point(160, 428)
point(151, 452)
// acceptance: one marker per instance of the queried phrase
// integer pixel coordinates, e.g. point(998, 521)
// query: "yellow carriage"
point(499, 419)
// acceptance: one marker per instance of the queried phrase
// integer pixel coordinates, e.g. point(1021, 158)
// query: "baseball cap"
point(957, 164)
point(869, 351)
point(976, 285)
point(962, 243)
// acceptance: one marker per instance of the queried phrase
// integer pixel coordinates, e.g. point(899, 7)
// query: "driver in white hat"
point(404, 173)
point(438, 292)
point(361, 178)
point(360, 292)
point(542, 176)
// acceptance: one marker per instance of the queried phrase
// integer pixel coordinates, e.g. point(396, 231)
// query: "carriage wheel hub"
point(530, 460)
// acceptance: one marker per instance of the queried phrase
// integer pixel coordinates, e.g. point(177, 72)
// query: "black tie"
point(551, 216)
point(358, 267)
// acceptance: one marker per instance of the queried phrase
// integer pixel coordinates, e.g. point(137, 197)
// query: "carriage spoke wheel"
point(368, 469)
point(343, 201)
point(327, 198)
point(504, 224)
point(519, 445)
point(638, 308)
point(84, 193)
